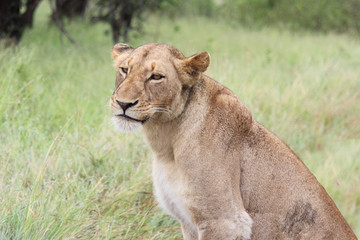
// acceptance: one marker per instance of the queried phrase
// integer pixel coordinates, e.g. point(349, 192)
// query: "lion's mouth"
point(132, 119)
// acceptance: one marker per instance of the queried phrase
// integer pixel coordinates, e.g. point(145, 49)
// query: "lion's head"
point(152, 83)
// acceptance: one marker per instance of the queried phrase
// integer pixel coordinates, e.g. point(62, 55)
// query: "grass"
point(65, 174)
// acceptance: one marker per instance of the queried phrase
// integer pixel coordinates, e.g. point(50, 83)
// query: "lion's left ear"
point(194, 66)
point(120, 52)
point(198, 62)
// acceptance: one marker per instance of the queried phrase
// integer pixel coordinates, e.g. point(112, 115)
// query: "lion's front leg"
point(188, 232)
point(216, 207)
point(226, 229)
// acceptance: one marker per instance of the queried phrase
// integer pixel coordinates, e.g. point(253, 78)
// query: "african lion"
point(216, 170)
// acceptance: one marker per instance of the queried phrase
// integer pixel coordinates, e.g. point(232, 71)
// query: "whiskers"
point(114, 106)
point(143, 111)
point(161, 109)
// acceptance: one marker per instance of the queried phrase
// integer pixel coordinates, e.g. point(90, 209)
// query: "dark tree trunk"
point(70, 8)
point(56, 18)
point(121, 22)
point(12, 22)
point(116, 31)
point(115, 23)
point(120, 14)
point(126, 19)
point(28, 15)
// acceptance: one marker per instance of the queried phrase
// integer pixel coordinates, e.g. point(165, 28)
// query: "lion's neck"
point(163, 137)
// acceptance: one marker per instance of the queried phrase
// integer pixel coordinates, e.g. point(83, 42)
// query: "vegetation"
point(125, 15)
point(65, 174)
point(319, 15)
point(16, 15)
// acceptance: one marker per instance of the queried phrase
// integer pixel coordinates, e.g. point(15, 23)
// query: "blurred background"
point(66, 174)
point(126, 15)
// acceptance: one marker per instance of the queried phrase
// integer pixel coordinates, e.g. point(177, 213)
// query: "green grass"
point(65, 174)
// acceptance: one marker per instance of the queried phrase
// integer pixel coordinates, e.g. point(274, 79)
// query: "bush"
point(320, 15)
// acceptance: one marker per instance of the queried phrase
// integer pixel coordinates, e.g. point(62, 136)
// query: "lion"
point(219, 172)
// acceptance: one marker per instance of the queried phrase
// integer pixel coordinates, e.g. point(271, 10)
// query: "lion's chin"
point(125, 125)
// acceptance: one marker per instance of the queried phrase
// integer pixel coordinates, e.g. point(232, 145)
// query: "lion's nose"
point(126, 105)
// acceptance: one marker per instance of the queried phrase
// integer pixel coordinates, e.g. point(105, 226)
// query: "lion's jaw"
point(150, 99)
point(124, 122)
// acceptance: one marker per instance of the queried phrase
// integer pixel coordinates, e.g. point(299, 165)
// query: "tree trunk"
point(28, 16)
point(126, 19)
point(70, 8)
point(116, 25)
point(116, 31)
point(119, 14)
point(10, 20)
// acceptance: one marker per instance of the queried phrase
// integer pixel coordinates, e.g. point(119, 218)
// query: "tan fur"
point(215, 169)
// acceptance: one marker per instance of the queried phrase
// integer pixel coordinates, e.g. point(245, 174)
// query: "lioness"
point(215, 169)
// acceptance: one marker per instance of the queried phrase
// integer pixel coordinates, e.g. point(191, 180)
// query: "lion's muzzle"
point(126, 105)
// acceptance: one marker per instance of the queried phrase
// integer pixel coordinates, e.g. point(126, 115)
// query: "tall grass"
point(65, 173)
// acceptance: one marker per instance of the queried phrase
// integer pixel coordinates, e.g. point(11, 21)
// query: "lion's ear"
point(121, 49)
point(198, 62)
point(194, 66)
point(120, 52)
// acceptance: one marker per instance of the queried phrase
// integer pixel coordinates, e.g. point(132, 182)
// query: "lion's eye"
point(124, 70)
point(156, 77)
